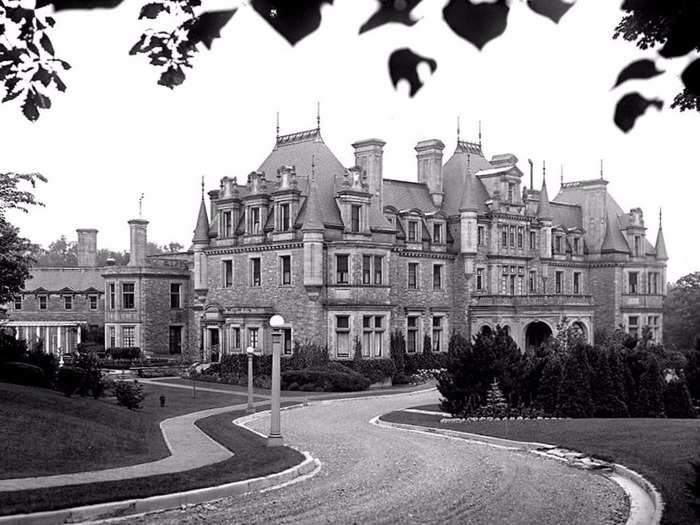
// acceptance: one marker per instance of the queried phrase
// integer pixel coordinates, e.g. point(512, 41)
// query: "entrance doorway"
point(536, 333)
point(214, 345)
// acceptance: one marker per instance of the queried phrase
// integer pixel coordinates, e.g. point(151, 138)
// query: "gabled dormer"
point(256, 205)
point(635, 232)
point(437, 229)
point(285, 204)
point(228, 209)
point(353, 201)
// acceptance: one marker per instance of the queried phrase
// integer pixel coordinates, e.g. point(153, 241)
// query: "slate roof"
point(660, 244)
point(406, 195)
point(201, 230)
point(566, 215)
point(453, 177)
point(544, 207)
point(65, 279)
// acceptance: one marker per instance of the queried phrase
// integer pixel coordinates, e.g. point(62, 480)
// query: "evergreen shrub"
point(129, 394)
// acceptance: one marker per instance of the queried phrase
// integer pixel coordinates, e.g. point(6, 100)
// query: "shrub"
point(47, 363)
point(375, 370)
point(22, 374)
point(306, 355)
point(326, 378)
point(129, 395)
point(400, 379)
point(124, 353)
point(677, 401)
point(11, 349)
point(93, 383)
point(70, 379)
point(397, 350)
point(575, 398)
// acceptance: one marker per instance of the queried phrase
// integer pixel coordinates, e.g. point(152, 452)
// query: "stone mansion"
point(346, 255)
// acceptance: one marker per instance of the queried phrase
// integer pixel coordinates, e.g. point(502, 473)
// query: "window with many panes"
point(286, 269)
point(112, 337)
point(632, 282)
point(227, 273)
point(577, 282)
point(437, 276)
point(412, 231)
point(93, 302)
point(68, 302)
point(533, 240)
point(633, 325)
point(254, 220)
point(378, 279)
point(227, 223)
point(413, 275)
point(18, 302)
point(653, 283)
point(128, 296)
point(557, 243)
point(372, 335)
point(128, 336)
point(42, 302)
point(437, 233)
point(175, 299)
point(577, 245)
point(355, 211)
point(284, 222)
point(235, 339)
point(412, 334)
point(653, 323)
point(438, 329)
point(254, 336)
point(558, 282)
point(504, 238)
point(342, 269)
point(255, 272)
point(480, 279)
point(112, 296)
point(520, 237)
point(533, 282)
point(342, 335)
point(480, 235)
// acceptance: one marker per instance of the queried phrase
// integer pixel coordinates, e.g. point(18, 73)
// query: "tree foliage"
point(681, 307)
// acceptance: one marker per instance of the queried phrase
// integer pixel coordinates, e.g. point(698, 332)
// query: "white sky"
point(542, 91)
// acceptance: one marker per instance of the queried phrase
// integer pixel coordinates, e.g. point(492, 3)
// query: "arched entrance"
point(486, 330)
point(580, 328)
point(536, 333)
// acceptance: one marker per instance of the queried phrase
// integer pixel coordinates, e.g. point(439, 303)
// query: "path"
point(378, 475)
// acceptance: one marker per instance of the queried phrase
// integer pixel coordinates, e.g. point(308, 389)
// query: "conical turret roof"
point(312, 217)
point(201, 231)
point(544, 209)
point(660, 243)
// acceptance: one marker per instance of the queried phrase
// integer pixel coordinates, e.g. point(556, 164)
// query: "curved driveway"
point(379, 475)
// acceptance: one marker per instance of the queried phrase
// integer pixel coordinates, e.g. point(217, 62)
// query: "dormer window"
point(412, 231)
point(437, 233)
point(577, 243)
point(284, 221)
point(355, 211)
point(511, 192)
point(226, 224)
point(557, 243)
point(254, 220)
point(637, 245)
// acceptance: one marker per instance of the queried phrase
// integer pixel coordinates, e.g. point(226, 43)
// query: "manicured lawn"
point(44, 432)
point(659, 449)
point(252, 458)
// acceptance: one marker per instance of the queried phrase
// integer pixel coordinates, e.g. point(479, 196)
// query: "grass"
point(252, 458)
point(44, 432)
point(659, 449)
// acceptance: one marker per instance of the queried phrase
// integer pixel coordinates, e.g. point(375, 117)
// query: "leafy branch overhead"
point(28, 66)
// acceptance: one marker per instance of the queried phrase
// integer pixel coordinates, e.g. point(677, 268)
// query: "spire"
point(561, 174)
point(201, 231)
point(544, 210)
point(318, 115)
point(458, 133)
point(277, 135)
point(660, 243)
point(468, 201)
point(312, 217)
point(601, 169)
point(480, 134)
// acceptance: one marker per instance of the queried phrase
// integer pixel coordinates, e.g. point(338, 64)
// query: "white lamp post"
point(250, 351)
point(274, 439)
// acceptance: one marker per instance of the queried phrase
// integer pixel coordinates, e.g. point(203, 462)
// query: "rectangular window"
point(255, 277)
point(175, 301)
point(128, 302)
point(284, 217)
point(254, 337)
point(559, 278)
point(412, 334)
point(366, 269)
point(437, 333)
point(413, 275)
point(512, 236)
point(577, 282)
point(175, 340)
point(437, 276)
point(287, 341)
point(504, 238)
point(412, 231)
point(42, 302)
point(342, 269)
point(355, 218)
point(633, 325)
point(653, 287)
point(533, 282)
point(511, 287)
point(533, 240)
point(520, 237)
point(367, 336)
point(637, 245)
point(235, 341)
point(112, 296)
point(632, 282)
point(479, 278)
point(227, 224)
point(480, 235)
point(342, 335)
point(437, 233)
point(577, 243)
point(557, 243)
point(68, 302)
point(93, 302)
point(254, 220)
point(18, 302)
point(286, 269)
point(227, 270)
point(112, 337)
point(128, 336)
point(511, 192)
point(378, 335)
point(377, 269)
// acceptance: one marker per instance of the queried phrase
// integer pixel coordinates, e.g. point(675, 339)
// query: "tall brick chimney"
point(87, 247)
point(137, 253)
point(369, 156)
point(429, 157)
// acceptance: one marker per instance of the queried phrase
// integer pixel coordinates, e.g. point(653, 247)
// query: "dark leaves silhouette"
point(552, 9)
point(640, 69)
point(398, 11)
point(293, 20)
point(60, 5)
point(403, 65)
point(691, 77)
point(478, 23)
point(207, 26)
point(631, 107)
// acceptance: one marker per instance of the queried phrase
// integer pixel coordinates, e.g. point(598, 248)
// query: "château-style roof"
point(406, 195)
point(201, 230)
point(660, 242)
point(313, 220)
point(467, 159)
point(544, 208)
point(65, 280)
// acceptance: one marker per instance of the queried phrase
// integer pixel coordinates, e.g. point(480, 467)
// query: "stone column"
point(58, 339)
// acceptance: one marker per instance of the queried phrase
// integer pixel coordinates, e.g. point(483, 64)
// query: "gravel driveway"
point(379, 475)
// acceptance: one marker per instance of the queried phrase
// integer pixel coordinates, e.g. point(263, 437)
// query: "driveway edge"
point(646, 504)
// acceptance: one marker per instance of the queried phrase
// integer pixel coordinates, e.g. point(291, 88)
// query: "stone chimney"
point(368, 156)
point(429, 156)
point(137, 253)
point(87, 247)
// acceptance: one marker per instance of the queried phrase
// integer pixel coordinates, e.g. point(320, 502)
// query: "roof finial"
point(457, 129)
point(318, 115)
point(313, 168)
point(202, 187)
point(660, 217)
point(601, 169)
point(479, 133)
point(469, 163)
point(141, 206)
point(278, 125)
point(561, 174)
point(544, 170)
point(532, 183)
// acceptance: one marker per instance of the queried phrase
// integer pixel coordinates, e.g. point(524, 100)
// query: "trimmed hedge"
point(327, 379)
point(22, 374)
point(376, 370)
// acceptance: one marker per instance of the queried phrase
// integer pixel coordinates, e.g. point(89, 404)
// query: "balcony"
point(642, 301)
point(519, 301)
point(357, 294)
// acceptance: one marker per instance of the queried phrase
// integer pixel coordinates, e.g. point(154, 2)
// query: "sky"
point(542, 91)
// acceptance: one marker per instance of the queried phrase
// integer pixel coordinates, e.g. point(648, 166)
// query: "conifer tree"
point(495, 402)
point(548, 391)
point(575, 391)
point(677, 402)
point(606, 394)
point(650, 389)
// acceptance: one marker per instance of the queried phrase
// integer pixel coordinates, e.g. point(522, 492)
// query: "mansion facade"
point(346, 255)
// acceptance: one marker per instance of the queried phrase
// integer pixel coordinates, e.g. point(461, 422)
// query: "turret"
point(200, 242)
point(312, 237)
point(544, 214)
point(468, 208)
point(660, 243)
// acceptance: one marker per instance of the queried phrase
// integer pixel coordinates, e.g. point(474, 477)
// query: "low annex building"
point(347, 256)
